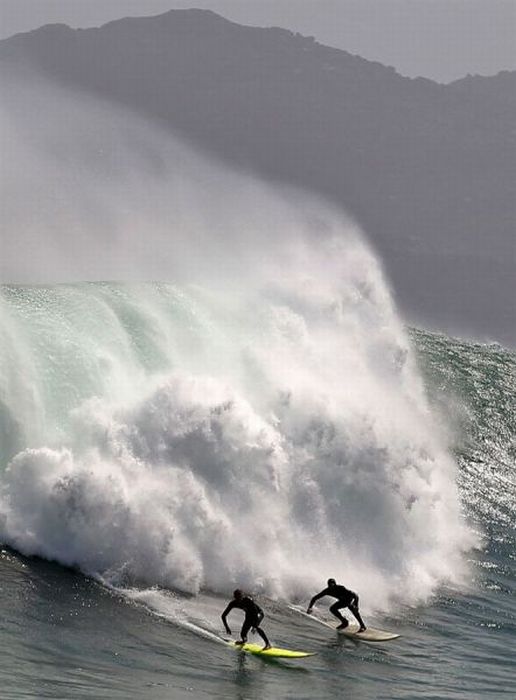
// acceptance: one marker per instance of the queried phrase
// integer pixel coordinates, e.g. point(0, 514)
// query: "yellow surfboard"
point(273, 652)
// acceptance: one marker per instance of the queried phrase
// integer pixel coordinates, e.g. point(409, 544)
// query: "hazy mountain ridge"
point(427, 169)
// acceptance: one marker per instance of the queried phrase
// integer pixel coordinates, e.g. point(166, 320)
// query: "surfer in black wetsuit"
point(253, 616)
point(345, 599)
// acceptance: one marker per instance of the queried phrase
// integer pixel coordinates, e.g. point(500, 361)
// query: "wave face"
point(201, 438)
point(472, 388)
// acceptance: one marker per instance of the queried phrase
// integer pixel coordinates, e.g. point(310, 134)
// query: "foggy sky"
point(439, 39)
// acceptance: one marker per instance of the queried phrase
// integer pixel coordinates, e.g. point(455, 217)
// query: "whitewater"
point(241, 405)
point(196, 441)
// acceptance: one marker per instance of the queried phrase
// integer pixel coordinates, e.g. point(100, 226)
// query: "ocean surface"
point(161, 445)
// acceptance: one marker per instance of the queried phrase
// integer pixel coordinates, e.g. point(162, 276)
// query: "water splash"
point(267, 440)
point(257, 422)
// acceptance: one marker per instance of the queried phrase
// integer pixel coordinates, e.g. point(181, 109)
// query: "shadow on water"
point(252, 680)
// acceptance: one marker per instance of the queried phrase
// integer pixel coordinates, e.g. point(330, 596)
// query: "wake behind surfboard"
point(274, 652)
point(369, 635)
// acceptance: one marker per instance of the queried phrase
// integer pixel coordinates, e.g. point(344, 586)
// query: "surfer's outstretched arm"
point(315, 599)
point(228, 609)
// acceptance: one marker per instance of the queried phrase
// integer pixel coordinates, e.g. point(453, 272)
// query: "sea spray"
point(265, 439)
point(253, 419)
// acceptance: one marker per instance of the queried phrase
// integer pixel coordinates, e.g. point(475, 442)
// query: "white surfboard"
point(369, 635)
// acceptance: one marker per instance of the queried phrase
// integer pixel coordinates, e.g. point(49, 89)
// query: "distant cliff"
point(428, 170)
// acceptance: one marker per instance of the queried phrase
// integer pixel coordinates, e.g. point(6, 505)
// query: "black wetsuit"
point(253, 616)
point(345, 599)
point(343, 595)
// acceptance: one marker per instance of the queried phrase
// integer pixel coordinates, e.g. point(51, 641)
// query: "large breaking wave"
point(191, 441)
point(256, 420)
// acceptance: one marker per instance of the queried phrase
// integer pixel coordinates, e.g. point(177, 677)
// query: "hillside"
point(428, 170)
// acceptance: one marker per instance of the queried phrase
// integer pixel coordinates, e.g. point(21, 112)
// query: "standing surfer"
point(345, 599)
point(253, 616)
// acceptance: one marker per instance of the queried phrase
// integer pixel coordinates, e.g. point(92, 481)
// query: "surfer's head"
point(237, 594)
point(331, 582)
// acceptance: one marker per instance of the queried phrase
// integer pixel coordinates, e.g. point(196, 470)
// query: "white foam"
point(258, 423)
point(287, 444)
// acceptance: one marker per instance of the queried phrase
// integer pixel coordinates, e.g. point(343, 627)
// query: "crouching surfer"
point(345, 599)
point(253, 616)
